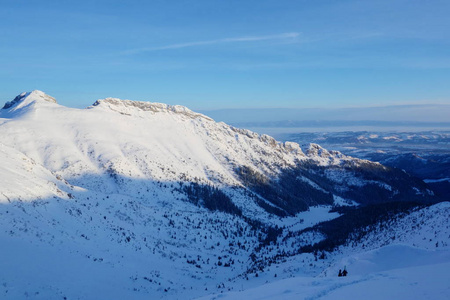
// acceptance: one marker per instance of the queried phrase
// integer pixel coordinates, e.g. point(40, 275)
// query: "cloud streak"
point(282, 36)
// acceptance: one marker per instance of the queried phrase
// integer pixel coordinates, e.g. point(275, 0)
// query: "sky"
point(228, 54)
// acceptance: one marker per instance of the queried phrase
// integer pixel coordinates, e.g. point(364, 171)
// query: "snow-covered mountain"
point(130, 147)
point(128, 199)
point(424, 154)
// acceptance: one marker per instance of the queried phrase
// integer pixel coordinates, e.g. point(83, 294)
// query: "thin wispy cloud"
point(282, 36)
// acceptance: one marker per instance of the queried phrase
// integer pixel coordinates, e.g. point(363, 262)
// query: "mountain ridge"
point(171, 143)
point(124, 106)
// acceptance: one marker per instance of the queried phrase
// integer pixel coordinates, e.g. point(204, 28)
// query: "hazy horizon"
point(288, 117)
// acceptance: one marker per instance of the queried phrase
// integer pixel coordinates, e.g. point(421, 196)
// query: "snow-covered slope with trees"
point(129, 199)
point(406, 257)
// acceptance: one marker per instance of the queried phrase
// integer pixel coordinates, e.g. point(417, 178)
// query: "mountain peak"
point(28, 97)
point(129, 107)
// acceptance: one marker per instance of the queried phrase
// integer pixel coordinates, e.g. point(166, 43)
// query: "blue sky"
point(228, 54)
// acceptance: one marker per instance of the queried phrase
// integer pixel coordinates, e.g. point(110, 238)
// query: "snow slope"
point(403, 262)
point(430, 281)
point(24, 179)
point(105, 196)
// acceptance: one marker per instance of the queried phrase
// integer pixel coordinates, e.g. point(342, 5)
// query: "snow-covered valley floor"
point(409, 259)
point(391, 272)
